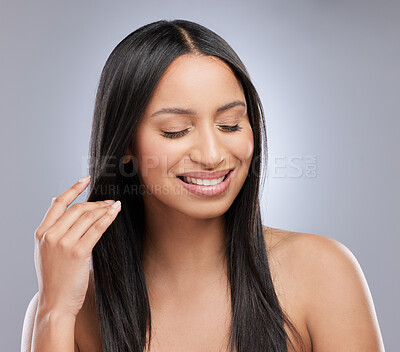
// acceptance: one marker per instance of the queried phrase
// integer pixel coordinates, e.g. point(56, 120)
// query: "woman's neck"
point(183, 253)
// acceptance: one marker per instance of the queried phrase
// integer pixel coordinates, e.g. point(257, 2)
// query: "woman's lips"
point(206, 175)
point(210, 190)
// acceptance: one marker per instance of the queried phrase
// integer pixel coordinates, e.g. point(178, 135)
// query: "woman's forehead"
point(196, 80)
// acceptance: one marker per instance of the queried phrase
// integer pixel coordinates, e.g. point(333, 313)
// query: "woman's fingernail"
point(52, 200)
point(116, 205)
point(83, 179)
point(109, 201)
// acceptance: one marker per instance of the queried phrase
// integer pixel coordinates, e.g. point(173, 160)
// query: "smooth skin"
point(318, 281)
point(63, 245)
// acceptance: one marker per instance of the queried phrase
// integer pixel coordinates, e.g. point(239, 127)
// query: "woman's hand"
point(63, 246)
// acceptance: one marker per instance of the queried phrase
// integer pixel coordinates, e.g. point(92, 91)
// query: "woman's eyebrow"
point(191, 112)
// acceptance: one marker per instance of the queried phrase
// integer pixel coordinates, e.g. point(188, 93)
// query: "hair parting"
point(127, 82)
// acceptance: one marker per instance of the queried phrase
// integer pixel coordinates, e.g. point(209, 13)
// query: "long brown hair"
point(127, 82)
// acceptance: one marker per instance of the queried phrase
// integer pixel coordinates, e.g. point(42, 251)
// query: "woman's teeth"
point(205, 182)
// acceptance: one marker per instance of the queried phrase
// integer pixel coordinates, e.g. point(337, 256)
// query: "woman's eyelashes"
point(182, 133)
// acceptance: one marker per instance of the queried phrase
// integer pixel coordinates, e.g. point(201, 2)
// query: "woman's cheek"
point(148, 151)
point(245, 145)
point(165, 153)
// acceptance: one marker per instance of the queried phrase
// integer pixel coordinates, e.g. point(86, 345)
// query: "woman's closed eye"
point(182, 133)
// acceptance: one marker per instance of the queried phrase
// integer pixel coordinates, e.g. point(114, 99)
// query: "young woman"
point(182, 262)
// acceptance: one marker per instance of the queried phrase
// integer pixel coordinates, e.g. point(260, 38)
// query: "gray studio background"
point(328, 73)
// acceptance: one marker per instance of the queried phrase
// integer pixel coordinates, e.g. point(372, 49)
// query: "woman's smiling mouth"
point(206, 186)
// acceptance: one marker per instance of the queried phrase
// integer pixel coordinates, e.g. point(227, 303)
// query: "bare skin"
point(292, 258)
point(205, 322)
point(63, 245)
point(318, 281)
point(308, 272)
point(305, 280)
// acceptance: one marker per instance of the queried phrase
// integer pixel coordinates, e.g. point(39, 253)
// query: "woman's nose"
point(207, 148)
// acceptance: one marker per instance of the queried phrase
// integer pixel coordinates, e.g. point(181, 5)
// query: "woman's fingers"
point(93, 234)
point(62, 261)
point(81, 225)
point(60, 204)
point(88, 211)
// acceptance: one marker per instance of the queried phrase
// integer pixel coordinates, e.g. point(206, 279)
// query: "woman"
point(181, 262)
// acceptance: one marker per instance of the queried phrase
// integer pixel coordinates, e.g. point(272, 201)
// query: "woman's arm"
point(340, 311)
point(47, 331)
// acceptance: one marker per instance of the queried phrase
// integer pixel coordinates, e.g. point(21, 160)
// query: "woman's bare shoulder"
point(279, 240)
point(338, 306)
point(305, 249)
point(319, 283)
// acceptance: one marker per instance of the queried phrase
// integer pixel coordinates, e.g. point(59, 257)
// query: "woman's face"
point(200, 96)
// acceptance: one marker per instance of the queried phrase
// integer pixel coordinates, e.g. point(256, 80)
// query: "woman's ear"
point(127, 157)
